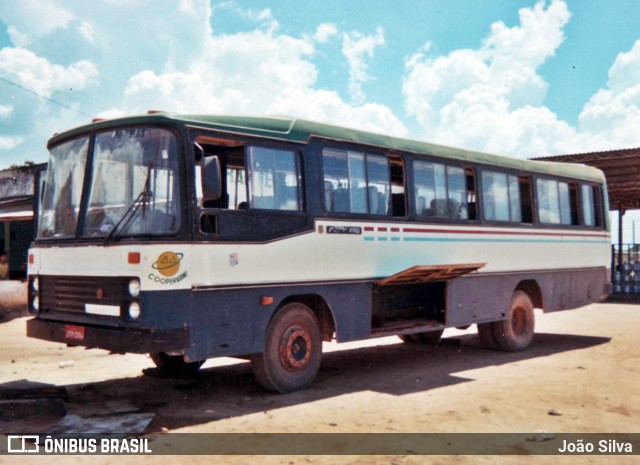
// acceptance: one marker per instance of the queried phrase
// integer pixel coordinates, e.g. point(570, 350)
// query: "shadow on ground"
point(232, 391)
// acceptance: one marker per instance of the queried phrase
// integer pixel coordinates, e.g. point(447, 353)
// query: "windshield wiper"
point(130, 213)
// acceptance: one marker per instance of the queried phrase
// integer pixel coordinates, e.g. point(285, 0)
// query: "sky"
point(514, 77)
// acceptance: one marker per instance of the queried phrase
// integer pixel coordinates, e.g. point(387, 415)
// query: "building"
point(17, 188)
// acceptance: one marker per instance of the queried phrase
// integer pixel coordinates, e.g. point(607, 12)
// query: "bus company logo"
point(168, 266)
point(168, 263)
point(23, 444)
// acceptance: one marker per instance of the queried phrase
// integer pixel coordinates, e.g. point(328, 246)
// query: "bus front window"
point(133, 187)
point(60, 204)
point(134, 184)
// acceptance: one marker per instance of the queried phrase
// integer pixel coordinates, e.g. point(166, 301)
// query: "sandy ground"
point(13, 295)
point(581, 374)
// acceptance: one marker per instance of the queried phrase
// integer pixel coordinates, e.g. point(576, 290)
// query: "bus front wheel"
point(516, 332)
point(292, 351)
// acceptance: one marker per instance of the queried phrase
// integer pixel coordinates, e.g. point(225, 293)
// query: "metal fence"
point(625, 269)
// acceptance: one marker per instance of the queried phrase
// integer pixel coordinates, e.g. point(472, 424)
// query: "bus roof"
point(301, 131)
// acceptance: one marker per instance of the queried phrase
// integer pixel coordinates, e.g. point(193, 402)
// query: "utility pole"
point(620, 224)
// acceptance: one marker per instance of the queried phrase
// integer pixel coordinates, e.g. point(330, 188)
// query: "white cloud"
point(238, 73)
point(29, 20)
point(614, 113)
point(10, 142)
point(327, 106)
point(325, 32)
point(537, 37)
point(86, 30)
point(257, 72)
point(42, 77)
point(34, 94)
point(264, 18)
point(72, 60)
point(490, 98)
point(359, 49)
point(5, 110)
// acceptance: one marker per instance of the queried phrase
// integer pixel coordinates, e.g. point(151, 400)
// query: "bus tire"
point(292, 350)
point(516, 332)
point(174, 365)
point(430, 337)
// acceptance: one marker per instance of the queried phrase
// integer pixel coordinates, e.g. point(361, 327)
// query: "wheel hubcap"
point(295, 351)
point(518, 321)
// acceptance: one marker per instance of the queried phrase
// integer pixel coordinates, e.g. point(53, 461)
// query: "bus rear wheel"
point(174, 365)
point(514, 333)
point(292, 350)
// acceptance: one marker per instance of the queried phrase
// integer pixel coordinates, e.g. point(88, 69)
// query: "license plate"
point(74, 332)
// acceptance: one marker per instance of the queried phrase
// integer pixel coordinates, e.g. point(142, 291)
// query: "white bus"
point(191, 237)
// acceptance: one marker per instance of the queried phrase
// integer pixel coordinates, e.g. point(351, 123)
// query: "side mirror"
point(211, 179)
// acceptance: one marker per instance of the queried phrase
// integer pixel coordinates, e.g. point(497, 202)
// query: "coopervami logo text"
point(168, 267)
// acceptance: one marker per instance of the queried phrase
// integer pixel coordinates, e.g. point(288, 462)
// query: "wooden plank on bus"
point(420, 274)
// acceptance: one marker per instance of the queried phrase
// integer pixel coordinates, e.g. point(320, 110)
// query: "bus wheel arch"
point(322, 311)
point(533, 290)
point(292, 351)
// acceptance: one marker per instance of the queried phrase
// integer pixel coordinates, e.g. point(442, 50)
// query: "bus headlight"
point(35, 303)
point(134, 288)
point(35, 284)
point(134, 310)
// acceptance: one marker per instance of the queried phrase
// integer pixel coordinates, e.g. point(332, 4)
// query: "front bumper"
point(133, 340)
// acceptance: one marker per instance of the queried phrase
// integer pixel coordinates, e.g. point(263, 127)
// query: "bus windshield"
point(132, 189)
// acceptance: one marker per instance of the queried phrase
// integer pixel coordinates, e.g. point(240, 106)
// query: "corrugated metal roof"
point(16, 208)
point(621, 169)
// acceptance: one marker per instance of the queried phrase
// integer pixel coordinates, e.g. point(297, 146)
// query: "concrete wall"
point(16, 182)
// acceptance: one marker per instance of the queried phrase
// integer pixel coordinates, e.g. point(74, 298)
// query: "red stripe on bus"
point(501, 233)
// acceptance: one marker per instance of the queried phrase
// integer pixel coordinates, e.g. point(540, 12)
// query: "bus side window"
point(568, 203)
point(233, 172)
point(557, 202)
point(506, 197)
point(398, 205)
point(430, 188)
point(599, 206)
point(591, 206)
point(573, 204)
point(357, 182)
point(472, 204)
point(274, 180)
point(526, 198)
point(457, 193)
point(236, 194)
point(444, 191)
point(495, 197)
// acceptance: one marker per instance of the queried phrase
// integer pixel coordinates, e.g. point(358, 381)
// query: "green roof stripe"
point(300, 131)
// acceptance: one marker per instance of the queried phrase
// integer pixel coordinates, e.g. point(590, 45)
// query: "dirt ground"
point(581, 374)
